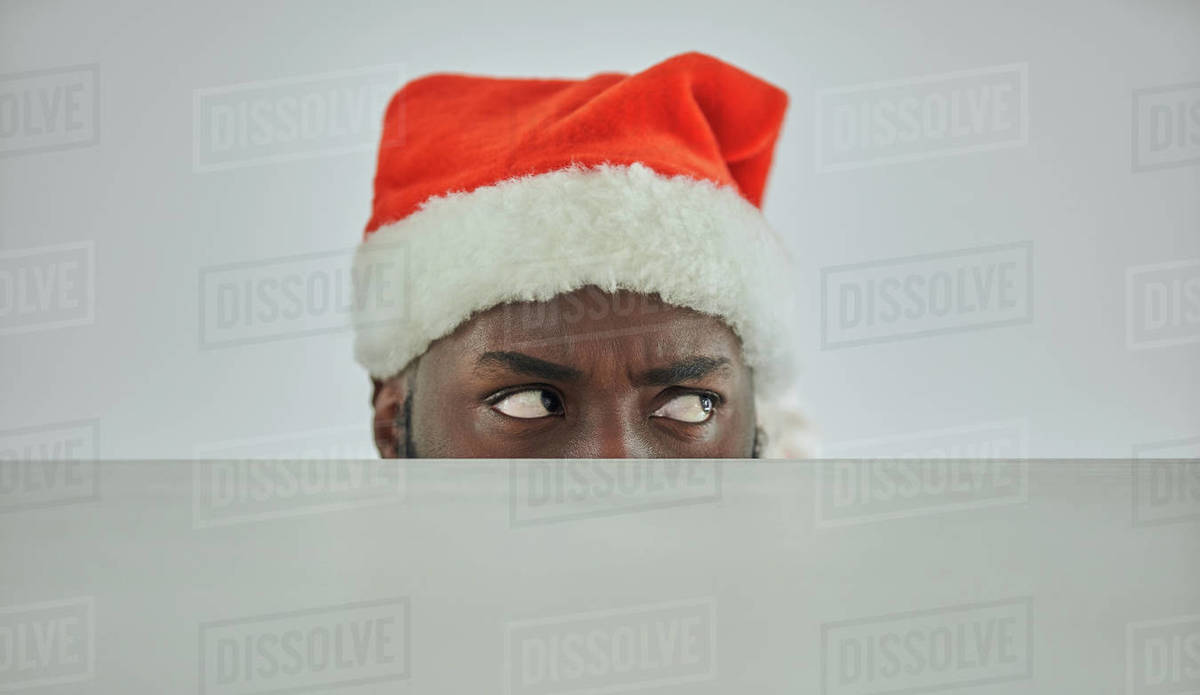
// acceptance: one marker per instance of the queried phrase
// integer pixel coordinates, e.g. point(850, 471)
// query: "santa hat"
point(497, 190)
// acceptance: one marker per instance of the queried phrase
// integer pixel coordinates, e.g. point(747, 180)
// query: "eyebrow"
point(531, 366)
point(687, 369)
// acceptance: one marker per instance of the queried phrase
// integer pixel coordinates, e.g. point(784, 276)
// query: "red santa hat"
point(650, 182)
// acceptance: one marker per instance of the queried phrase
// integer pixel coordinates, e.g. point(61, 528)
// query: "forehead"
point(589, 322)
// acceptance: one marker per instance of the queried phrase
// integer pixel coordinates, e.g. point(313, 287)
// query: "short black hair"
point(410, 451)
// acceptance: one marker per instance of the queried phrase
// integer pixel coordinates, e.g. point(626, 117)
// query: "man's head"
point(505, 209)
point(586, 374)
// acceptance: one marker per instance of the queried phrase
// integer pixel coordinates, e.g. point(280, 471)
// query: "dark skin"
point(587, 374)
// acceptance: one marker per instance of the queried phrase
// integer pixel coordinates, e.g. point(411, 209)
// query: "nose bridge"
point(611, 429)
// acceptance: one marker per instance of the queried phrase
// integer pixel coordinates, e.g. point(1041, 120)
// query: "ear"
point(389, 420)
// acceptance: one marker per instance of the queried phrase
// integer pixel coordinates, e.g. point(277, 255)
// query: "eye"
point(689, 407)
point(529, 404)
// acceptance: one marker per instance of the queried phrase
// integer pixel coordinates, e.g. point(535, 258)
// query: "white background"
point(138, 368)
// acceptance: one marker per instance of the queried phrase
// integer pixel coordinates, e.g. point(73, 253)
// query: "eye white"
point(690, 407)
point(528, 405)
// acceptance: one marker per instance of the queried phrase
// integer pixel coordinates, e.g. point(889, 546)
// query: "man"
point(587, 270)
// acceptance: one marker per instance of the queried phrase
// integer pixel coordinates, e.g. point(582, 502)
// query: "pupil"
point(706, 403)
point(550, 402)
